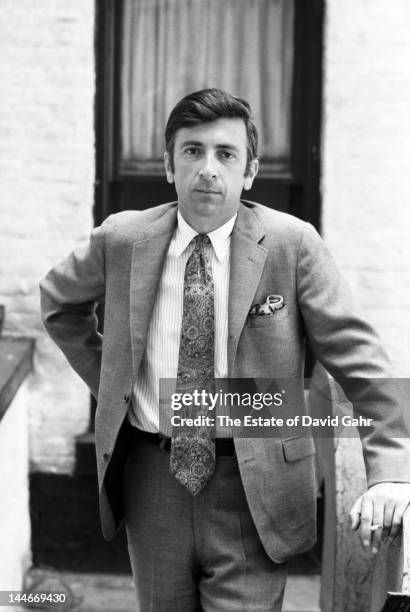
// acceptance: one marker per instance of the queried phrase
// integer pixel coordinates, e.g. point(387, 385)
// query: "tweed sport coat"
point(271, 253)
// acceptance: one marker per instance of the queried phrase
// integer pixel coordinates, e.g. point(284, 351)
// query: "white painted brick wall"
point(47, 138)
point(15, 531)
point(366, 160)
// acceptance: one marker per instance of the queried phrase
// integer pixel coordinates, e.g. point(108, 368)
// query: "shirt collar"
point(220, 237)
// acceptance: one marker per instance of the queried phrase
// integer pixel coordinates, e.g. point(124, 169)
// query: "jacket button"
point(126, 398)
point(106, 456)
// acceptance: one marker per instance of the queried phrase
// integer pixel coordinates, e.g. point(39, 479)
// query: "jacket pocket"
point(264, 321)
point(297, 448)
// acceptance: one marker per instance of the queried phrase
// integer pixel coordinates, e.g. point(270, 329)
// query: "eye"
point(192, 151)
point(224, 154)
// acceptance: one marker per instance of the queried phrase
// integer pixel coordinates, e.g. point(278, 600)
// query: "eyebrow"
point(198, 143)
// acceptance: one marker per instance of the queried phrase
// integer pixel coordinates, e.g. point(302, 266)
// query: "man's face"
point(209, 171)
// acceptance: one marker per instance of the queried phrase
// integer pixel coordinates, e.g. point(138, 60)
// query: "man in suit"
point(211, 521)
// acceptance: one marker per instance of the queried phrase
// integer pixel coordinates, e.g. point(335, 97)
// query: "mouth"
point(207, 191)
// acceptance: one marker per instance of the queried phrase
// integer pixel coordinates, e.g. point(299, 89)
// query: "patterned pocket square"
point(272, 303)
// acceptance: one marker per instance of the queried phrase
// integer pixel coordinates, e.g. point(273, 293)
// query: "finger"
point(377, 527)
point(397, 519)
point(387, 522)
point(355, 513)
point(366, 521)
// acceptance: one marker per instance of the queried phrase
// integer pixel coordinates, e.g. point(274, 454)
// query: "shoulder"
point(130, 223)
point(280, 227)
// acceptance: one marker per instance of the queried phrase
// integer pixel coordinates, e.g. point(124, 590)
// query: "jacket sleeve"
point(352, 352)
point(70, 294)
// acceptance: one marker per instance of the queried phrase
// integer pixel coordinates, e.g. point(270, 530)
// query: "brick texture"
point(366, 155)
point(47, 168)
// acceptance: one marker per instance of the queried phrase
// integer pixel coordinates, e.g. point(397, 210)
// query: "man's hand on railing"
point(378, 513)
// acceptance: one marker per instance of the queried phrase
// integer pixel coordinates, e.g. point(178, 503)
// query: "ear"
point(252, 172)
point(168, 168)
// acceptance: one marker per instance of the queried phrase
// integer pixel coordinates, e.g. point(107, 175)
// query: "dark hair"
point(205, 106)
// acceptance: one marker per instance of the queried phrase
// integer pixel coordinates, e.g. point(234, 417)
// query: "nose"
point(208, 171)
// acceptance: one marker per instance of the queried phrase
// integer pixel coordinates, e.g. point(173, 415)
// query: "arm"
point(353, 354)
point(69, 296)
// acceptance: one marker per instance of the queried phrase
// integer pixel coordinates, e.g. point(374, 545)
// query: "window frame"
point(304, 176)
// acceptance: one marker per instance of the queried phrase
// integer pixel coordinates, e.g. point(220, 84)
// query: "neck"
point(204, 225)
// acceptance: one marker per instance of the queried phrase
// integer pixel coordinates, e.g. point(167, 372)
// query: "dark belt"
point(224, 447)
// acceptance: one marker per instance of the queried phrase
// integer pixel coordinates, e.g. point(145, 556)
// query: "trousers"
point(195, 554)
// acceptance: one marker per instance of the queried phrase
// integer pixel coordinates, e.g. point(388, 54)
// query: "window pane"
point(173, 47)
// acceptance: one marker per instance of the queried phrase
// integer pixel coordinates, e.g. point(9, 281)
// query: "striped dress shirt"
point(160, 359)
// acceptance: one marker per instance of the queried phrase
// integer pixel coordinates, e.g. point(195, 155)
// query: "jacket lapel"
point(148, 255)
point(247, 262)
point(149, 250)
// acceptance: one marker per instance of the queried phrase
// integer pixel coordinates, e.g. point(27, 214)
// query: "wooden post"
point(353, 580)
point(347, 567)
point(392, 570)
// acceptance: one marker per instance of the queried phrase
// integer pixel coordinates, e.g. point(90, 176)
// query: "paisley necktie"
point(192, 458)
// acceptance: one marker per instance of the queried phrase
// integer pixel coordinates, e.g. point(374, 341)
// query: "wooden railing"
point(353, 580)
point(392, 573)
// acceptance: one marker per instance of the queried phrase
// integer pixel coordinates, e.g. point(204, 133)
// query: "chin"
point(206, 207)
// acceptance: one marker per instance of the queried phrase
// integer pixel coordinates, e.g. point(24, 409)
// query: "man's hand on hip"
point(378, 512)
